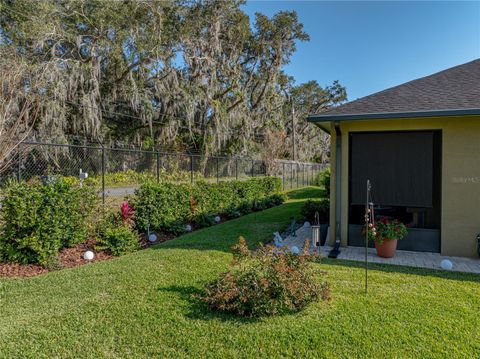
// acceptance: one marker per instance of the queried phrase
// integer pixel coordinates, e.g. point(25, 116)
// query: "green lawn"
point(140, 305)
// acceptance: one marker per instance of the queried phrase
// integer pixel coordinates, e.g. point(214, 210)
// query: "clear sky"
point(370, 46)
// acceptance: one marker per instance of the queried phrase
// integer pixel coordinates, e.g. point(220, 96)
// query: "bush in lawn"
point(267, 282)
point(163, 204)
point(311, 206)
point(38, 220)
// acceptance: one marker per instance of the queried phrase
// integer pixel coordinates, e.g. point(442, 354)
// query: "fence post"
point(158, 167)
point(283, 175)
point(191, 168)
point(19, 169)
point(253, 168)
point(216, 164)
point(103, 174)
point(303, 174)
point(291, 175)
point(236, 168)
point(296, 166)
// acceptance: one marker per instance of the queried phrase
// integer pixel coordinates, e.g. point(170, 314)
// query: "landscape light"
point(88, 255)
point(446, 264)
point(152, 237)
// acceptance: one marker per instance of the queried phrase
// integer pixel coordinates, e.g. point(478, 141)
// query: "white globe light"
point(295, 250)
point(188, 228)
point(446, 264)
point(217, 219)
point(88, 255)
point(307, 224)
point(152, 237)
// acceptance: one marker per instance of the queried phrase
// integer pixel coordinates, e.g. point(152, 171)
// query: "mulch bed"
point(73, 257)
point(161, 237)
point(68, 258)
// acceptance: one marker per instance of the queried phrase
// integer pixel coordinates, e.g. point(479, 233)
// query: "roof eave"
point(392, 115)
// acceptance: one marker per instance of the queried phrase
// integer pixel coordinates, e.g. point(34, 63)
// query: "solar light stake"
point(316, 232)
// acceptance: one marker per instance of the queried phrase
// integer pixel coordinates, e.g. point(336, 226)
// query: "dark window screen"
point(398, 164)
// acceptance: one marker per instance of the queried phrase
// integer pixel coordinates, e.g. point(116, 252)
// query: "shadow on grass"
point(199, 310)
point(392, 268)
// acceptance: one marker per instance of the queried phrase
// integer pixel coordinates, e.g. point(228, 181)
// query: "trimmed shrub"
point(38, 220)
point(267, 282)
point(176, 228)
point(119, 240)
point(204, 220)
point(323, 180)
point(163, 204)
point(322, 207)
point(232, 212)
point(133, 177)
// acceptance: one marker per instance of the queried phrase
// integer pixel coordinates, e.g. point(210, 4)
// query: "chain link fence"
point(117, 172)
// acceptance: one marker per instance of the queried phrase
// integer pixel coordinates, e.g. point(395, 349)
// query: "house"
point(419, 145)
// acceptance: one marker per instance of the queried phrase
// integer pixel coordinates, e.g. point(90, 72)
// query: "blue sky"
point(370, 46)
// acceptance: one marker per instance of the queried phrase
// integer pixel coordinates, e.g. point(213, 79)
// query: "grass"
point(140, 305)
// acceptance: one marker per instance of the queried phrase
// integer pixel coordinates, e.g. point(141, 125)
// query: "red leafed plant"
point(127, 214)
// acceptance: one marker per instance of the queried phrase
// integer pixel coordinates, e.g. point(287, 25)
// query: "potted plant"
point(385, 233)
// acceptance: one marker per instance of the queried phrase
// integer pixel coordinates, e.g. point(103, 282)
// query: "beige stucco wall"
point(460, 176)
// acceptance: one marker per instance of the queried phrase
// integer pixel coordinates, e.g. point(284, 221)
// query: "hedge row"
point(37, 220)
point(164, 205)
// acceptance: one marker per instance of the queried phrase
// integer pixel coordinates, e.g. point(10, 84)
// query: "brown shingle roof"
point(457, 88)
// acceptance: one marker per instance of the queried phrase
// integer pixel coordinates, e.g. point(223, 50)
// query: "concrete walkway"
point(406, 258)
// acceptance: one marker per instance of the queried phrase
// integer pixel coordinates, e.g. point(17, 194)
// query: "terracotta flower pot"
point(387, 248)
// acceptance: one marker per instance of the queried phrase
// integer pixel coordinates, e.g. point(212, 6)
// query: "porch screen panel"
point(398, 164)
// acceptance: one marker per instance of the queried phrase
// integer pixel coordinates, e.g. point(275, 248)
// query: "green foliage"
point(323, 180)
point(204, 220)
point(112, 48)
point(175, 227)
point(267, 282)
point(38, 220)
point(132, 177)
point(116, 235)
point(119, 239)
point(274, 200)
point(150, 292)
point(233, 212)
point(163, 204)
point(53, 263)
point(310, 207)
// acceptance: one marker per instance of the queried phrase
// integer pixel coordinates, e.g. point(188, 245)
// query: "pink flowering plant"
point(127, 213)
point(385, 229)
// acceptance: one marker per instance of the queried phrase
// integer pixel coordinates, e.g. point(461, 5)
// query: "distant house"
point(419, 145)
